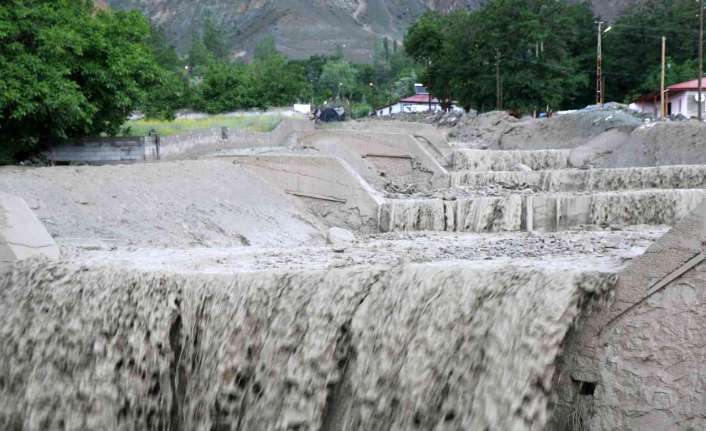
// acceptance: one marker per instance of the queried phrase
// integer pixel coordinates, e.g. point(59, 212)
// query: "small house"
point(682, 99)
point(422, 101)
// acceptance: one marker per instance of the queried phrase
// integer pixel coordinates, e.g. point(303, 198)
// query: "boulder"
point(340, 239)
point(521, 167)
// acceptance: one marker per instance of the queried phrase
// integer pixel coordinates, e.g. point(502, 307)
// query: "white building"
point(418, 103)
point(682, 99)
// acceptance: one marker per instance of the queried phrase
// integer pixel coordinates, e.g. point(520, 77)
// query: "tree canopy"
point(633, 47)
point(535, 47)
point(69, 70)
point(544, 52)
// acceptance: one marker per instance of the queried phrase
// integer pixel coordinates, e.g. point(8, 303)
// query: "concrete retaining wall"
point(327, 185)
point(22, 235)
point(198, 142)
point(638, 362)
point(201, 142)
point(185, 145)
point(106, 150)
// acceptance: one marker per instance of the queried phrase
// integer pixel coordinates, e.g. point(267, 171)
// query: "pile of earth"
point(610, 138)
point(651, 144)
point(500, 130)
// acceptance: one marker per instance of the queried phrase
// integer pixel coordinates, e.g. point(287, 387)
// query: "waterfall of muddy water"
point(417, 346)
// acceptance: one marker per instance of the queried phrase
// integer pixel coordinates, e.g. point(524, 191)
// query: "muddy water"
point(431, 346)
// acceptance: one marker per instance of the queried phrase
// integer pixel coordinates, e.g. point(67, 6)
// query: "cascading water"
point(568, 180)
point(418, 346)
point(545, 211)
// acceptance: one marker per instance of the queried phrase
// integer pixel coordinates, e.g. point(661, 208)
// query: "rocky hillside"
point(303, 27)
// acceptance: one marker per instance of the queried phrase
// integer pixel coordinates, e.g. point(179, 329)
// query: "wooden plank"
point(317, 197)
point(388, 156)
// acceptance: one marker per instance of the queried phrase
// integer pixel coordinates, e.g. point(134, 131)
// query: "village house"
point(682, 99)
point(417, 103)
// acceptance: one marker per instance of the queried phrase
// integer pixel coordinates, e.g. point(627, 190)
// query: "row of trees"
point(526, 55)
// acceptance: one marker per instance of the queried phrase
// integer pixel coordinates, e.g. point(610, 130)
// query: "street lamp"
point(701, 58)
point(600, 84)
point(372, 97)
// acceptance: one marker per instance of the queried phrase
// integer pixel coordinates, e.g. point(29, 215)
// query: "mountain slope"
point(303, 27)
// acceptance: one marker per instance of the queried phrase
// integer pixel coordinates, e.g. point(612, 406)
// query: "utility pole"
point(701, 58)
point(430, 84)
point(498, 86)
point(662, 106)
point(599, 67)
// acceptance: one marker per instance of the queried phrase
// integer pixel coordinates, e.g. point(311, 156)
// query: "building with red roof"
point(418, 103)
point(682, 99)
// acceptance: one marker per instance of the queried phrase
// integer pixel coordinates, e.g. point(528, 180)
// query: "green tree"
point(164, 52)
point(425, 43)
point(675, 72)
point(533, 44)
point(425, 38)
point(339, 78)
point(68, 70)
point(275, 81)
point(170, 93)
point(214, 40)
point(199, 57)
point(633, 46)
point(226, 87)
point(265, 49)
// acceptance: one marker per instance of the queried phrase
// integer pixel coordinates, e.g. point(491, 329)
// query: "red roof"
point(692, 85)
point(419, 98)
point(688, 85)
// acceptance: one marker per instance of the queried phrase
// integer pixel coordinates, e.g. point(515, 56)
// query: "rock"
point(33, 204)
point(521, 167)
point(340, 239)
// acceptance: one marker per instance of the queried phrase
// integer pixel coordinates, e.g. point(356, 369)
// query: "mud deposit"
point(419, 346)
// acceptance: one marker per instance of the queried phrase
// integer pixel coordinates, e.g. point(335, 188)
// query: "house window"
point(669, 108)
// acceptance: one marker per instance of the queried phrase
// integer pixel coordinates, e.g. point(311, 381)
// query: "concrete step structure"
point(570, 180)
point(542, 212)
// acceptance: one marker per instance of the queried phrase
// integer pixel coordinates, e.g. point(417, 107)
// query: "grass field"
point(250, 123)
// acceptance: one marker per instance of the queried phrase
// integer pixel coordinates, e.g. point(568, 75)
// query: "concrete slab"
point(22, 235)
point(329, 187)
